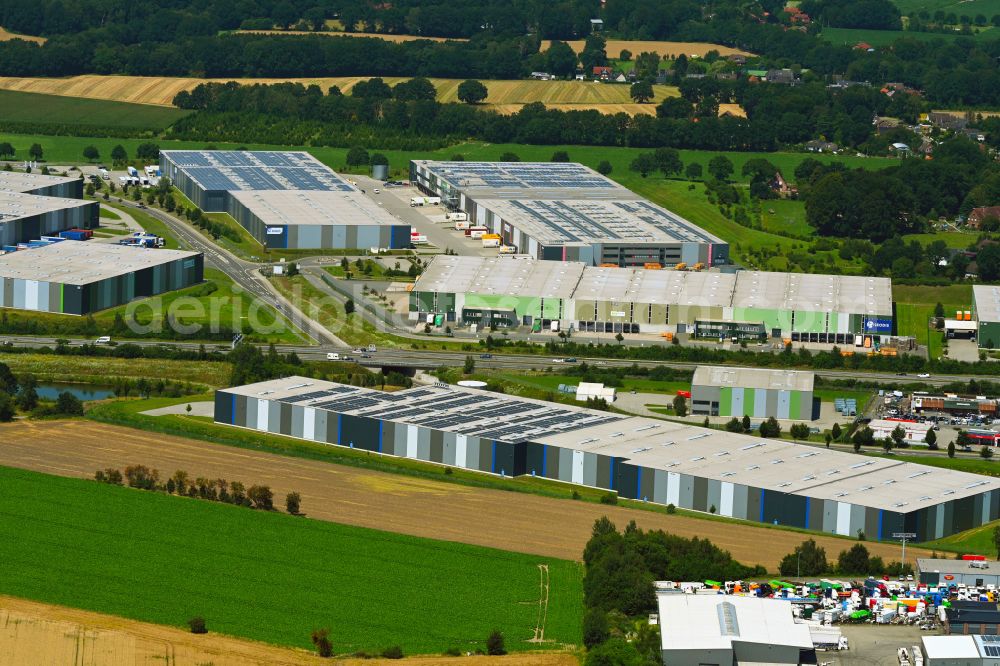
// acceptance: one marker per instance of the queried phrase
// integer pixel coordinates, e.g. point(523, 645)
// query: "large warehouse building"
point(78, 278)
point(567, 212)
point(706, 304)
point(986, 312)
point(763, 480)
point(286, 200)
point(754, 392)
point(34, 205)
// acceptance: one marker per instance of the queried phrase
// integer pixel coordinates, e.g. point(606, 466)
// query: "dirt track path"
point(396, 503)
point(35, 633)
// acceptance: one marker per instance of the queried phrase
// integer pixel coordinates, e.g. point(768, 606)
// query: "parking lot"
point(872, 644)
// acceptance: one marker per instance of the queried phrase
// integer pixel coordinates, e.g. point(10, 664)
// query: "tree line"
point(215, 490)
point(19, 393)
point(809, 559)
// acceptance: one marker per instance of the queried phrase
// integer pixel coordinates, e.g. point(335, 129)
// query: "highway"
point(427, 359)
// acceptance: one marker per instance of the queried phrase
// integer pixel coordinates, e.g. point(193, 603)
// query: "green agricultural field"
point(915, 307)
point(852, 36)
point(977, 540)
point(100, 369)
point(32, 108)
point(786, 216)
point(970, 8)
point(269, 576)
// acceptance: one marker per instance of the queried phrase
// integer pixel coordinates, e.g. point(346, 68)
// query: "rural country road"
point(396, 503)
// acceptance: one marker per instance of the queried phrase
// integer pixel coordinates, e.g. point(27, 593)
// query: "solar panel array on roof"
point(231, 171)
point(522, 175)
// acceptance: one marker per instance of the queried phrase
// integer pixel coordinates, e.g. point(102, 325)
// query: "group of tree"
point(19, 393)
point(215, 490)
point(620, 568)
point(809, 559)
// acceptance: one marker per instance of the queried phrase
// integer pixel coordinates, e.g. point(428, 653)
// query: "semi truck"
point(462, 225)
point(491, 242)
point(432, 201)
point(417, 201)
point(457, 217)
point(476, 232)
point(133, 172)
point(508, 249)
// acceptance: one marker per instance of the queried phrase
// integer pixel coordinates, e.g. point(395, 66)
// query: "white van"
point(103, 340)
point(332, 356)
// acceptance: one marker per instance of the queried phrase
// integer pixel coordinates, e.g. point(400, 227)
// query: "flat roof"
point(14, 205)
point(639, 285)
point(713, 622)
point(510, 276)
point(314, 207)
point(526, 179)
point(885, 424)
point(813, 293)
point(568, 221)
point(18, 181)
point(949, 647)
point(943, 565)
point(82, 262)
point(762, 378)
point(795, 469)
point(987, 300)
point(234, 170)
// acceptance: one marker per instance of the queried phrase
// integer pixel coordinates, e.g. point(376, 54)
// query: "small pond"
point(51, 391)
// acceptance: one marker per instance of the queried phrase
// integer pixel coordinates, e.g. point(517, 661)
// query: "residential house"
point(797, 17)
point(737, 58)
point(978, 215)
point(947, 121)
point(784, 189)
point(974, 134)
point(596, 25)
point(603, 72)
point(785, 76)
point(884, 124)
point(620, 78)
point(819, 146)
point(864, 46)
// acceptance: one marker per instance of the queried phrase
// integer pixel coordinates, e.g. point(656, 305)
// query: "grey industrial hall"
point(286, 200)
point(568, 212)
point(739, 476)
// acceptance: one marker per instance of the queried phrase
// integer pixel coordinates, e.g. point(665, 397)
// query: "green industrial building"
point(755, 392)
point(986, 312)
point(515, 291)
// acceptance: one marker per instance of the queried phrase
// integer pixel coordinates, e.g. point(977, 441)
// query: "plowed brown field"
point(35, 633)
point(396, 503)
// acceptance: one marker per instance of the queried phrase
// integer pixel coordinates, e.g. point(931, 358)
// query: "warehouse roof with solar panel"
point(666, 446)
point(236, 170)
point(554, 180)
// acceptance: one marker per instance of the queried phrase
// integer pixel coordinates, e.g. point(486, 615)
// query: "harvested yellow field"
point(7, 36)
point(504, 94)
point(332, 33)
point(732, 110)
point(665, 49)
point(38, 633)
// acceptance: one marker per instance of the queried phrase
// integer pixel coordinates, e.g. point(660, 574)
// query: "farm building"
point(287, 200)
point(754, 392)
point(28, 217)
point(78, 278)
point(567, 212)
point(986, 311)
point(706, 304)
point(697, 629)
point(740, 476)
point(954, 572)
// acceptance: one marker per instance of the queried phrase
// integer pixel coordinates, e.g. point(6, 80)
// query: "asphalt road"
point(244, 273)
point(427, 359)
